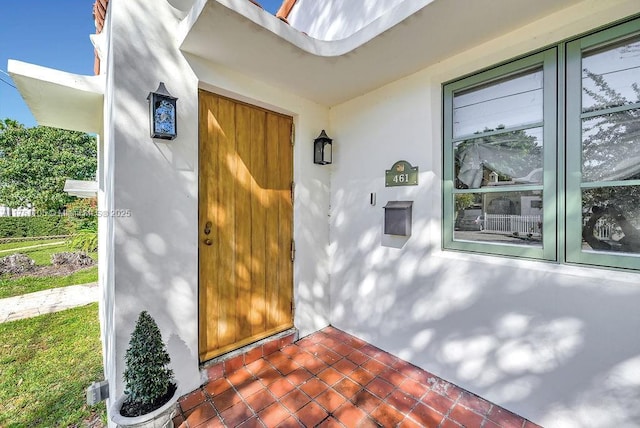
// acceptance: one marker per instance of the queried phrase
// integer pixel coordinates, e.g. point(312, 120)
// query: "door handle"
point(207, 228)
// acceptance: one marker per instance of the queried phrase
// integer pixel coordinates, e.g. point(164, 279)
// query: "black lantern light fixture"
point(322, 151)
point(163, 116)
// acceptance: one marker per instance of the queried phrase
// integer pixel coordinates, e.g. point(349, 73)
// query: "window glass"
point(514, 157)
point(610, 76)
point(507, 103)
point(611, 219)
point(611, 146)
point(513, 218)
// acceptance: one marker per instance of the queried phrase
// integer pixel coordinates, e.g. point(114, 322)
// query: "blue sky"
point(51, 33)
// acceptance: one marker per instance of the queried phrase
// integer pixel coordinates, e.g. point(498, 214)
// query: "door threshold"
point(227, 363)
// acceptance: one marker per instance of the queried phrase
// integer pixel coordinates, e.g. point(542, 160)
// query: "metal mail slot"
point(397, 218)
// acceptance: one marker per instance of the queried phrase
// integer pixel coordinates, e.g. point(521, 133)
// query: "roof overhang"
point(413, 35)
point(81, 188)
point(60, 99)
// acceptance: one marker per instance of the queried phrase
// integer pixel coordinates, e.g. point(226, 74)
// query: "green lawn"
point(46, 363)
point(29, 284)
point(12, 245)
point(42, 257)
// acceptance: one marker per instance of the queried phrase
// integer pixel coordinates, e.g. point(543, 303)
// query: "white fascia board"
point(60, 99)
point(409, 37)
point(81, 188)
point(206, 10)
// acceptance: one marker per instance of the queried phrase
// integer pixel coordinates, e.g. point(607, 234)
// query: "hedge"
point(16, 227)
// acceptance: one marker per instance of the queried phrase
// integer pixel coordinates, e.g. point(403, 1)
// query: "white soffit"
point(60, 99)
point(408, 38)
point(81, 188)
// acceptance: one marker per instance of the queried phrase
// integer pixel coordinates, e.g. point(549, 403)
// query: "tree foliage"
point(147, 377)
point(35, 162)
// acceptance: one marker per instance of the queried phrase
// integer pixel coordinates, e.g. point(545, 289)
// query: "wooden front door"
point(245, 224)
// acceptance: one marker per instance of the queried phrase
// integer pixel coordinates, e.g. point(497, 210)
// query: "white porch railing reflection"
point(532, 224)
point(510, 224)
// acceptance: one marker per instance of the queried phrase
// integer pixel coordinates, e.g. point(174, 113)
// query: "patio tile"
point(425, 415)
point(347, 388)
point(365, 400)
point(415, 389)
point(295, 400)
point(199, 414)
point(345, 366)
point(311, 415)
point(387, 416)
point(467, 418)
point(475, 403)
point(261, 399)
point(438, 402)
point(314, 387)
point(217, 386)
point(290, 422)
point(374, 366)
point(253, 422)
point(401, 401)
point(281, 387)
point(362, 376)
point(448, 423)
point(273, 415)
point(350, 415)
point(253, 355)
point(505, 418)
point(330, 422)
point(331, 379)
point(358, 357)
point(249, 387)
point(225, 400)
point(299, 376)
point(239, 376)
point(330, 400)
point(330, 376)
point(190, 401)
point(236, 414)
point(380, 387)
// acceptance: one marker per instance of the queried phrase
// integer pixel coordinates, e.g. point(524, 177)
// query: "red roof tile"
point(285, 9)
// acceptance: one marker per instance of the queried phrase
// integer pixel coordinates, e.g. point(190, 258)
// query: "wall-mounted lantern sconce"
point(163, 114)
point(322, 151)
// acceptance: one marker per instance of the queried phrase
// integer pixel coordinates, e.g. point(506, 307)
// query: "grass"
point(30, 284)
point(42, 257)
point(46, 363)
point(12, 245)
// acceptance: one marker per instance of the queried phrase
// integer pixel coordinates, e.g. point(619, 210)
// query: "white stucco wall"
point(552, 342)
point(336, 19)
point(555, 343)
point(154, 251)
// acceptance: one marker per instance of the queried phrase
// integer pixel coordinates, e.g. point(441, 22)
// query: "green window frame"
point(565, 187)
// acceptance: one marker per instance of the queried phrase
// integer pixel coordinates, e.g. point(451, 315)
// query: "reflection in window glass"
point(510, 102)
point(505, 159)
point(502, 217)
point(611, 219)
point(611, 146)
point(610, 76)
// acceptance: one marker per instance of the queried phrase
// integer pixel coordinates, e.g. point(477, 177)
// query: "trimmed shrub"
point(19, 227)
point(148, 381)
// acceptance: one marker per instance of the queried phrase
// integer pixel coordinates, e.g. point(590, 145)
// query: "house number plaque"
point(401, 174)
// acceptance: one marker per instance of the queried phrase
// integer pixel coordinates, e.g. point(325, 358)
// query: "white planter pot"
point(159, 418)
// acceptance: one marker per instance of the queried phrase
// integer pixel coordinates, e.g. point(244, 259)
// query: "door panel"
point(246, 272)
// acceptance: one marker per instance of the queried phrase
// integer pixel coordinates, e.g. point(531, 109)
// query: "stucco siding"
point(151, 189)
point(549, 341)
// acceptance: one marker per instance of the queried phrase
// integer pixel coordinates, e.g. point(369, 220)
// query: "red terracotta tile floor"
point(332, 379)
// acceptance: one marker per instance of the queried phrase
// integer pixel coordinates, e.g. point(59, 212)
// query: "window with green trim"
point(542, 155)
